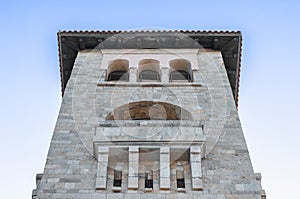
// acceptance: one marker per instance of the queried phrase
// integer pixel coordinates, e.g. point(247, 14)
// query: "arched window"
point(180, 70)
point(118, 70)
point(149, 70)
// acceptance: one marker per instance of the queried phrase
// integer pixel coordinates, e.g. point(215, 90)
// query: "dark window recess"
point(149, 180)
point(117, 178)
point(180, 75)
point(180, 183)
point(118, 75)
point(149, 75)
point(180, 179)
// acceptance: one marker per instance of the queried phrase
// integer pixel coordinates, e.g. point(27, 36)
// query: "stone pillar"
point(133, 168)
point(133, 75)
point(164, 168)
point(196, 173)
point(102, 168)
point(164, 74)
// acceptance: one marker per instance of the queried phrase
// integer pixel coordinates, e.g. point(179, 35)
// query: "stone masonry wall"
point(71, 166)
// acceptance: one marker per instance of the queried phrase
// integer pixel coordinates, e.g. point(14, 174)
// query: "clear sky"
point(269, 88)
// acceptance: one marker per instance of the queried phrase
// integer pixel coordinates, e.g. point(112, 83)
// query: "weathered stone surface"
point(207, 141)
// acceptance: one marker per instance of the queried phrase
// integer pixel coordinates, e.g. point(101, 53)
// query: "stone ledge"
point(149, 134)
point(150, 84)
point(151, 123)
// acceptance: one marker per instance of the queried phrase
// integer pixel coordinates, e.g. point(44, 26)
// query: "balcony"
point(179, 131)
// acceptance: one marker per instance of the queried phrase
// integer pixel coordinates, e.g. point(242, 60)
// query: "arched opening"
point(149, 70)
point(149, 110)
point(180, 70)
point(118, 70)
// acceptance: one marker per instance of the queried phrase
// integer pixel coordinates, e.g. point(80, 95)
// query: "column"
point(164, 74)
point(102, 168)
point(196, 173)
point(164, 168)
point(133, 168)
point(132, 75)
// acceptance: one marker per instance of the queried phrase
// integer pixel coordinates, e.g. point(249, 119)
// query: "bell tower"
point(149, 114)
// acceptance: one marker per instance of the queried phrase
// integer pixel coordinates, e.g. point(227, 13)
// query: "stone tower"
point(149, 114)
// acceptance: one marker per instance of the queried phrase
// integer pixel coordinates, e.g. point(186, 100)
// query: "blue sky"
point(269, 89)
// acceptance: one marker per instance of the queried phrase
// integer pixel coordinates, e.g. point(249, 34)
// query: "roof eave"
point(228, 42)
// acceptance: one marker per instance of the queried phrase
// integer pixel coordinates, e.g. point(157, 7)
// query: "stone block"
point(195, 149)
point(132, 196)
point(195, 157)
point(103, 158)
point(115, 196)
point(133, 168)
point(165, 171)
point(164, 183)
point(196, 169)
point(132, 183)
point(164, 157)
point(197, 184)
point(101, 183)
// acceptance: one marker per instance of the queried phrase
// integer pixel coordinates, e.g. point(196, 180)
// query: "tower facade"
point(149, 114)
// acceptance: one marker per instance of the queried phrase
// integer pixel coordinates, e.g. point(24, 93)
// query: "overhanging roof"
point(228, 42)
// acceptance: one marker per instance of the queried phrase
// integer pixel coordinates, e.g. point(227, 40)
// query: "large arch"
point(149, 110)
